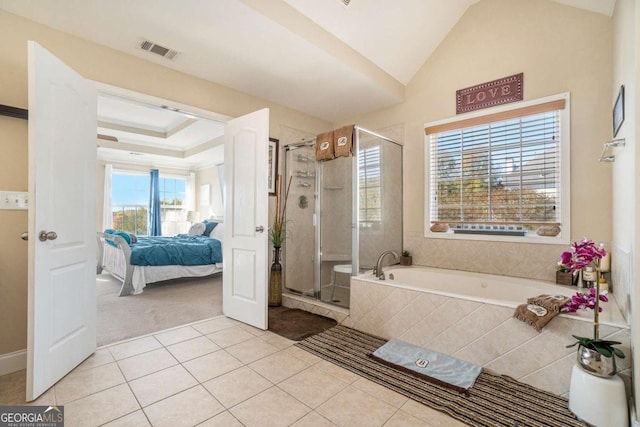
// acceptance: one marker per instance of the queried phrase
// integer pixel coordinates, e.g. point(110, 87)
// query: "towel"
point(550, 302)
point(535, 315)
point(324, 146)
point(429, 365)
point(343, 141)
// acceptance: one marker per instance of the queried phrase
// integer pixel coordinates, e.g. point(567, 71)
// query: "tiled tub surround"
point(469, 316)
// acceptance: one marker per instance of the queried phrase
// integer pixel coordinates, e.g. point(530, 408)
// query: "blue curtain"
point(155, 219)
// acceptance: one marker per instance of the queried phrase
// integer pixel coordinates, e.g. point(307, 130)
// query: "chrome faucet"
point(378, 270)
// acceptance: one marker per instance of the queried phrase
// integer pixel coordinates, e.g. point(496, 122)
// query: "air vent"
point(346, 2)
point(152, 47)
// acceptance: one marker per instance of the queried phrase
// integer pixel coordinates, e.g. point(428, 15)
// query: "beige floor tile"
point(278, 366)
point(13, 391)
point(353, 407)
point(277, 340)
point(135, 419)
point(157, 386)
point(313, 419)
point(402, 419)
point(230, 336)
point(146, 363)
point(391, 397)
point(84, 382)
point(212, 365)
point(99, 358)
point(252, 330)
point(313, 386)
point(337, 371)
point(429, 415)
point(224, 419)
point(193, 348)
point(303, 355)
point(131, 348)
point(237, 386)
point(214, 325)
point(175, 336)
point(100, 408)
point(188, 408)
point(252, 350)
point(271, 408)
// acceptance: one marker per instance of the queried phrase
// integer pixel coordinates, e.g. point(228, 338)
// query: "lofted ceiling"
point(321, 57)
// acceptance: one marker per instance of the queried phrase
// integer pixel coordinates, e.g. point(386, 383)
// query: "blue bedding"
point(177, 250)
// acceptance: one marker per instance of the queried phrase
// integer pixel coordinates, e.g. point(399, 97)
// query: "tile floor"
point(220, 372)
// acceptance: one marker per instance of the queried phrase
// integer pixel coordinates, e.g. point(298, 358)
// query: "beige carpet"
point(161, 306)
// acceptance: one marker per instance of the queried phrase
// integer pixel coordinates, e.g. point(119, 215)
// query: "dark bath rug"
point(296, 324)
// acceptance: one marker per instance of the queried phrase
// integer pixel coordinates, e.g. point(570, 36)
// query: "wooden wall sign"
point(490, 94)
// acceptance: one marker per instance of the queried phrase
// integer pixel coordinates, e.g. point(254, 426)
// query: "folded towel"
point(535, 315)
point(324, 146)
point(432, 366)
point(550, 302)
point(343, 140)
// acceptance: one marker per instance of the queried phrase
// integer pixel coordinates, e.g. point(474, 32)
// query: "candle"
point(605, 263)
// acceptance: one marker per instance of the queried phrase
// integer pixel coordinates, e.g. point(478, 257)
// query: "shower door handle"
point(260, 229)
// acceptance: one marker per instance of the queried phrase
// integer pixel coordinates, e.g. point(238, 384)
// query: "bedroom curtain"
point(155, 217)
point(190, 195)
point(107, 214)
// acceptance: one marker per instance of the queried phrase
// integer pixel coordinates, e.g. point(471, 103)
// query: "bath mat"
point(430, 365)
point(494, 400)
point(296, 324)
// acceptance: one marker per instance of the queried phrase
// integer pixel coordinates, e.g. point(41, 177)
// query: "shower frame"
point(355, 189)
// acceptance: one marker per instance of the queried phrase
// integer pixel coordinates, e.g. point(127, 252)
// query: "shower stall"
point(341, 214)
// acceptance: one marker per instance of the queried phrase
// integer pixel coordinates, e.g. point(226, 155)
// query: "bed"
point(152, 259)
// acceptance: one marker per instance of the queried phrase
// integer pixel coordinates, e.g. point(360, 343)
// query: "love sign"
point(496, 92)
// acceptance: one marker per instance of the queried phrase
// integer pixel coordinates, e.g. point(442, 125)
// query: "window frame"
point(565, 169)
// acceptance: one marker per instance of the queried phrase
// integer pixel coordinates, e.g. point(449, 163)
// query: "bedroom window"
point(502, 174)
point(130, 202)
point(370, 182)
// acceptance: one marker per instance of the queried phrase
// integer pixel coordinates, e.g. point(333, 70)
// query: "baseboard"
point(12, 362)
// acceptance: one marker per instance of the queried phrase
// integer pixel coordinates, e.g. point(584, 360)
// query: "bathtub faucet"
point(378, 270)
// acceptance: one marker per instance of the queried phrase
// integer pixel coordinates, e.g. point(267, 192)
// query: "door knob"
point(44, 236)
point(24, 236)
point(260, 229)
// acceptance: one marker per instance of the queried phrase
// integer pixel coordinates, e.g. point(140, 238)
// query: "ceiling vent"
point(152, 47)
point(346, 2)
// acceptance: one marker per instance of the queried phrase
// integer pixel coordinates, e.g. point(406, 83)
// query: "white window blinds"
point(370, 182)
point(499, 172)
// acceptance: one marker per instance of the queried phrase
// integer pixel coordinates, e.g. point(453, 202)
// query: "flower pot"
point(564, 278)
point(595, 363)
point(275, 280)
point(406, 260)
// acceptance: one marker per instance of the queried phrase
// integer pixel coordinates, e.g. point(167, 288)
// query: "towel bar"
point(611, 144)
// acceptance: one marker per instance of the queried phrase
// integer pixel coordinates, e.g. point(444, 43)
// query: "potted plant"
point(277, 235)
point(596, 356)
point(406, 258)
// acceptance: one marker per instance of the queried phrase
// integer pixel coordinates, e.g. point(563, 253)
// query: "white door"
point(62, 220)
point(244, 281)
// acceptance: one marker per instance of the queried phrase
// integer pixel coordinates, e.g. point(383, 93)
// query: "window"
point(499, 174)
point(130, 202)
point(370, 182)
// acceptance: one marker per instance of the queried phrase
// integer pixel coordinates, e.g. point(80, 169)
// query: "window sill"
point(529, 238)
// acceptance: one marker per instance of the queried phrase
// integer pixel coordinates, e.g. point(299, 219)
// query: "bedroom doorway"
point(136, 133)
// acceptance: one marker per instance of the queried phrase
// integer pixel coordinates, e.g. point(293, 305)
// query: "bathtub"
point(470, 316)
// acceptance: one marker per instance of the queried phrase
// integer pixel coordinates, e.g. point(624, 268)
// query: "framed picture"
point(272, 156)
point(618, 112)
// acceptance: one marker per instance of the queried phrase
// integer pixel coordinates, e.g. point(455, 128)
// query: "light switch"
point(14, 200)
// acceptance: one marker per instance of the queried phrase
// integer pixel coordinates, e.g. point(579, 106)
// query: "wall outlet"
point(14, 200)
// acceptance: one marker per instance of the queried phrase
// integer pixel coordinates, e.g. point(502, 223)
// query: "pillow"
point(133, 237)
point(209, 226)
point(218, 232)
point(124, 235)
point(197, 229)
point(109, 231)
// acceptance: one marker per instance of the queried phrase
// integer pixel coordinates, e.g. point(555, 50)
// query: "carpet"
point(162, 305)
point(296, 324)
point(494, 400)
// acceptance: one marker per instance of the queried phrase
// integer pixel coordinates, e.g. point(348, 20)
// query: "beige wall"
point(215, 207)
point(559, 49)
point(104, 65)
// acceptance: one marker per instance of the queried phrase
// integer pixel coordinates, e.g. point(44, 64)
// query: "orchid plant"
point(583, 254)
